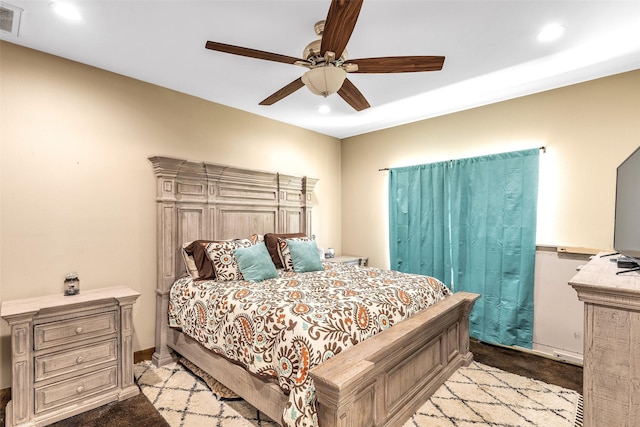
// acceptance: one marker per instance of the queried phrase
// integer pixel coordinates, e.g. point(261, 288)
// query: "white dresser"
point(69, 354)
point(611, 343)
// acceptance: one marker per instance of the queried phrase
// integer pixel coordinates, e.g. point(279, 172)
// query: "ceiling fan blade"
point(251, 53)
point(284, 92)
point(341, 19)
point(397, 64)
point(350, 93)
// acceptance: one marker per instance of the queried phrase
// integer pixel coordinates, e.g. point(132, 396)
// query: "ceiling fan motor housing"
point(312, 54)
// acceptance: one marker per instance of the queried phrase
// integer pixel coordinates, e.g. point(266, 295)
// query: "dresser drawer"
point(68, 331)
point(69, 391)
point(51, 365)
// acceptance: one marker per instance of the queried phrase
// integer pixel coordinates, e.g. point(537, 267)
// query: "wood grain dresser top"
point(35, 304)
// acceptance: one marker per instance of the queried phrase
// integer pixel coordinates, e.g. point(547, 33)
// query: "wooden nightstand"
point(349, 259)
point(69, 354)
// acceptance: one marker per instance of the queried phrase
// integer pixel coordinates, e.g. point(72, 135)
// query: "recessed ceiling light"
point(324, 109)
point(551, 32)
point(66, 10)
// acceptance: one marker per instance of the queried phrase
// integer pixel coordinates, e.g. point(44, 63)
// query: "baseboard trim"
point(559, 356)
point(142, 355)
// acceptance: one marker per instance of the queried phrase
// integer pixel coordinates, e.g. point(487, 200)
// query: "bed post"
point(166, 173)
point(192, 177)
point(465, 312)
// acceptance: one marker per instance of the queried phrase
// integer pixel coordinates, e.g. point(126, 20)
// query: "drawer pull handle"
point(79, 390)
point(79, 330)
point(80, 359)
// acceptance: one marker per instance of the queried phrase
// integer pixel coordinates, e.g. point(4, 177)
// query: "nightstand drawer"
point(66, 392)
point(68, 331)
point(51, 365)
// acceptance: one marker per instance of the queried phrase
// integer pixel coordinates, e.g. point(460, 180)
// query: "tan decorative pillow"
point(224, 263)
point(189, 262)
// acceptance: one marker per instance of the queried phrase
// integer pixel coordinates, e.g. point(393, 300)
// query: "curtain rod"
point(543, 148)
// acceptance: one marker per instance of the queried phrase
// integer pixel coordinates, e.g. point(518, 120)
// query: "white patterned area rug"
point(482, 395)
point(474, 396)
point(184, 399)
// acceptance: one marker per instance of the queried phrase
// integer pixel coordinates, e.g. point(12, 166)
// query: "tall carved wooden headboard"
point(200, 200)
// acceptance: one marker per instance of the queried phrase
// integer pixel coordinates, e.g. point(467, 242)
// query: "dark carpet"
point(139, 412)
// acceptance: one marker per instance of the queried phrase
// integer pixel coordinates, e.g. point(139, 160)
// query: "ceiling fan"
point(326, 59)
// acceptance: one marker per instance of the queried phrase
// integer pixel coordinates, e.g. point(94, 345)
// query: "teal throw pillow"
point(255, 263)
point(304, 254)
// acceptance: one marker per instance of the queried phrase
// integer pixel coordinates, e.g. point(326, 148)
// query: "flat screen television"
point(626, 236)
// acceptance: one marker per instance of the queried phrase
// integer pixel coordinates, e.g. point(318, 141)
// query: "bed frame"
point(381, 381)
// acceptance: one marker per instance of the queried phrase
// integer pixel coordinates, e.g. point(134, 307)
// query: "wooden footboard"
point(385, 379)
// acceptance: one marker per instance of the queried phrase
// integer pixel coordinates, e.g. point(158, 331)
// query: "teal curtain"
point(472, 223)
point(419, 205)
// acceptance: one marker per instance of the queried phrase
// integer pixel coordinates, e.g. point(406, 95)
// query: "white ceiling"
point(490, 47)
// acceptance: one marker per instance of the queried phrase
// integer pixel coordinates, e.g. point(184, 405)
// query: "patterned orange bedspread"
point(280, 328)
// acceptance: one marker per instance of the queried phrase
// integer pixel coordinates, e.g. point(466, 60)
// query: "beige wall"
point(588, 130)
point(77, 190)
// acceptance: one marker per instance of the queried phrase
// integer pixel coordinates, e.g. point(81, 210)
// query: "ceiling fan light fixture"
point(324, 81)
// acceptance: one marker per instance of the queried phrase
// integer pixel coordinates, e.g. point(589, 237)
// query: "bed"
point(382, 380)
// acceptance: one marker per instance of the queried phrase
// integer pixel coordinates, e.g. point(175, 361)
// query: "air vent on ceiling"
point(10, 19)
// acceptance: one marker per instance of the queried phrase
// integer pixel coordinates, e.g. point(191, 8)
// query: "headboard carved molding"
point(201, 200)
